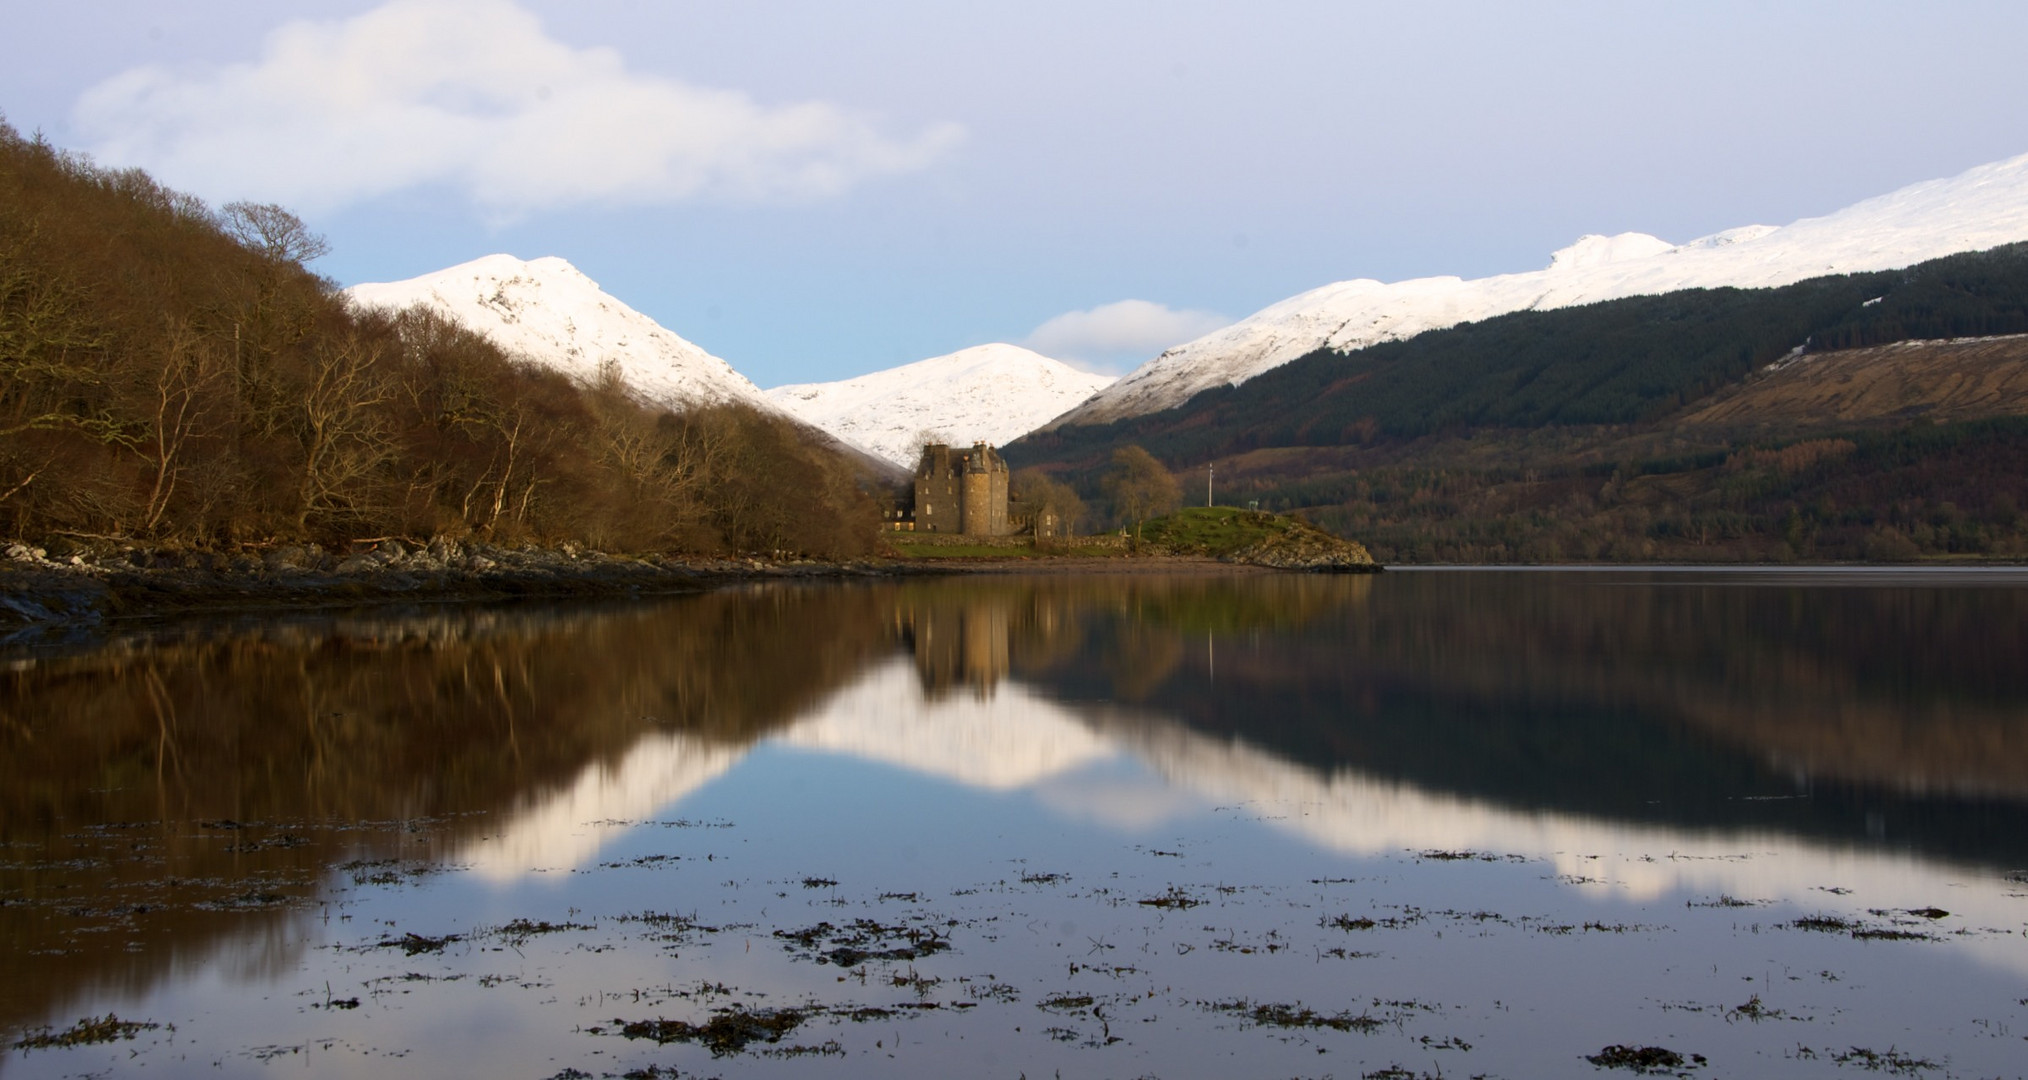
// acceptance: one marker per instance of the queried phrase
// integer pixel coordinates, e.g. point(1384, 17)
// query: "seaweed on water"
point(1889, 1060)
point(522, 929)
point(1268, 1014)
point(1755, 1011)
point(1829, 924)
point(865, 939)
point(1887, 934)
point(412, 943)
point(729, 1031)
point(1642, 1059)
point(91, 1029)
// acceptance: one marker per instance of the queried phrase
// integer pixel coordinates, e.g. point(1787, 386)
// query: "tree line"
point(173, 374)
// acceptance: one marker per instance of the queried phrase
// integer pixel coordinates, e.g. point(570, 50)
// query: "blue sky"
point(815, 190)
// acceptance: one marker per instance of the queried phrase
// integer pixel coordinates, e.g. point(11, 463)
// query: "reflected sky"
point(1447, 824)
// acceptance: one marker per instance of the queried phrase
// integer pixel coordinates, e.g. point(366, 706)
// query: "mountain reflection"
point(173, 787)
point(189, 788)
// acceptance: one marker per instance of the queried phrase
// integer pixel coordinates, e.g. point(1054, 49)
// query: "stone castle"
point(962, 492)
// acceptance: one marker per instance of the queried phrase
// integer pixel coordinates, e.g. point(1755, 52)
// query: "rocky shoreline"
point(80, 589)
point(83, 589)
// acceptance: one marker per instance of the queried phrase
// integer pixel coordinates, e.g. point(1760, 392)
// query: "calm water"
point(1429, 823)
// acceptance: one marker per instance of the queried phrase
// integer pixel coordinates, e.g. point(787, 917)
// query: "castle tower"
point(962, 491)
point(977, 481)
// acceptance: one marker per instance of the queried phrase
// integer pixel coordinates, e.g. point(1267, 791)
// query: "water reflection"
point(196, 791)
point(175, 785)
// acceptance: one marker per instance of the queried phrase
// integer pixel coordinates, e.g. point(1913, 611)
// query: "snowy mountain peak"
point(549, 311)
point(1595, 250)
point(1979, 209)
point(991, 393)
point(1740, 235)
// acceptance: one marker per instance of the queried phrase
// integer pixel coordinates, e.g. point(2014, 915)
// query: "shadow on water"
point(189, 787)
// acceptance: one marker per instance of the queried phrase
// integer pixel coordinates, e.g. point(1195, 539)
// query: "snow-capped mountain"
point(548, 311)
point(1979, 209)
point(991, 393)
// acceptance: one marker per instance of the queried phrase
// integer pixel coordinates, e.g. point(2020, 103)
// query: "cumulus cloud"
point(1127, 331)
point(475, 96)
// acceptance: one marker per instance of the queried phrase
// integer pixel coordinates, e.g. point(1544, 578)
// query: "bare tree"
point(273, 231)
point(1040, 496)
point(179, 399)
point(344, 433)
point(1140, 487)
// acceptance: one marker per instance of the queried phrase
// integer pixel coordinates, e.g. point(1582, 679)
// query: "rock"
point(1307, 548)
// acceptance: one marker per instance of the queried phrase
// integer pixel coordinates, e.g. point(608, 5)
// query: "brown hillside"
point(1962, 379)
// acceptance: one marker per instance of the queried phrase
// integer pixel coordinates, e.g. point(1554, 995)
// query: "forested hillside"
point(173, 374)
point(1564, 435)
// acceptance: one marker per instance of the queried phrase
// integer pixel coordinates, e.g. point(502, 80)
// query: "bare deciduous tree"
point(1139, 486)
point(179, 397)
point(344, 433)
point(1040, 496)
point(273, 231)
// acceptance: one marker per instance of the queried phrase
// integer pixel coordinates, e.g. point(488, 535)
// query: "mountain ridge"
point(987, 393)
point(551, 312)
point(1981, 208)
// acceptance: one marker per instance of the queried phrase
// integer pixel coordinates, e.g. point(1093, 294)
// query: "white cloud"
point(474, 95)
point(1126, 330)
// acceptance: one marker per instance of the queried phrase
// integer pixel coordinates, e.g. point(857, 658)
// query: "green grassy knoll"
point(1252, 536)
